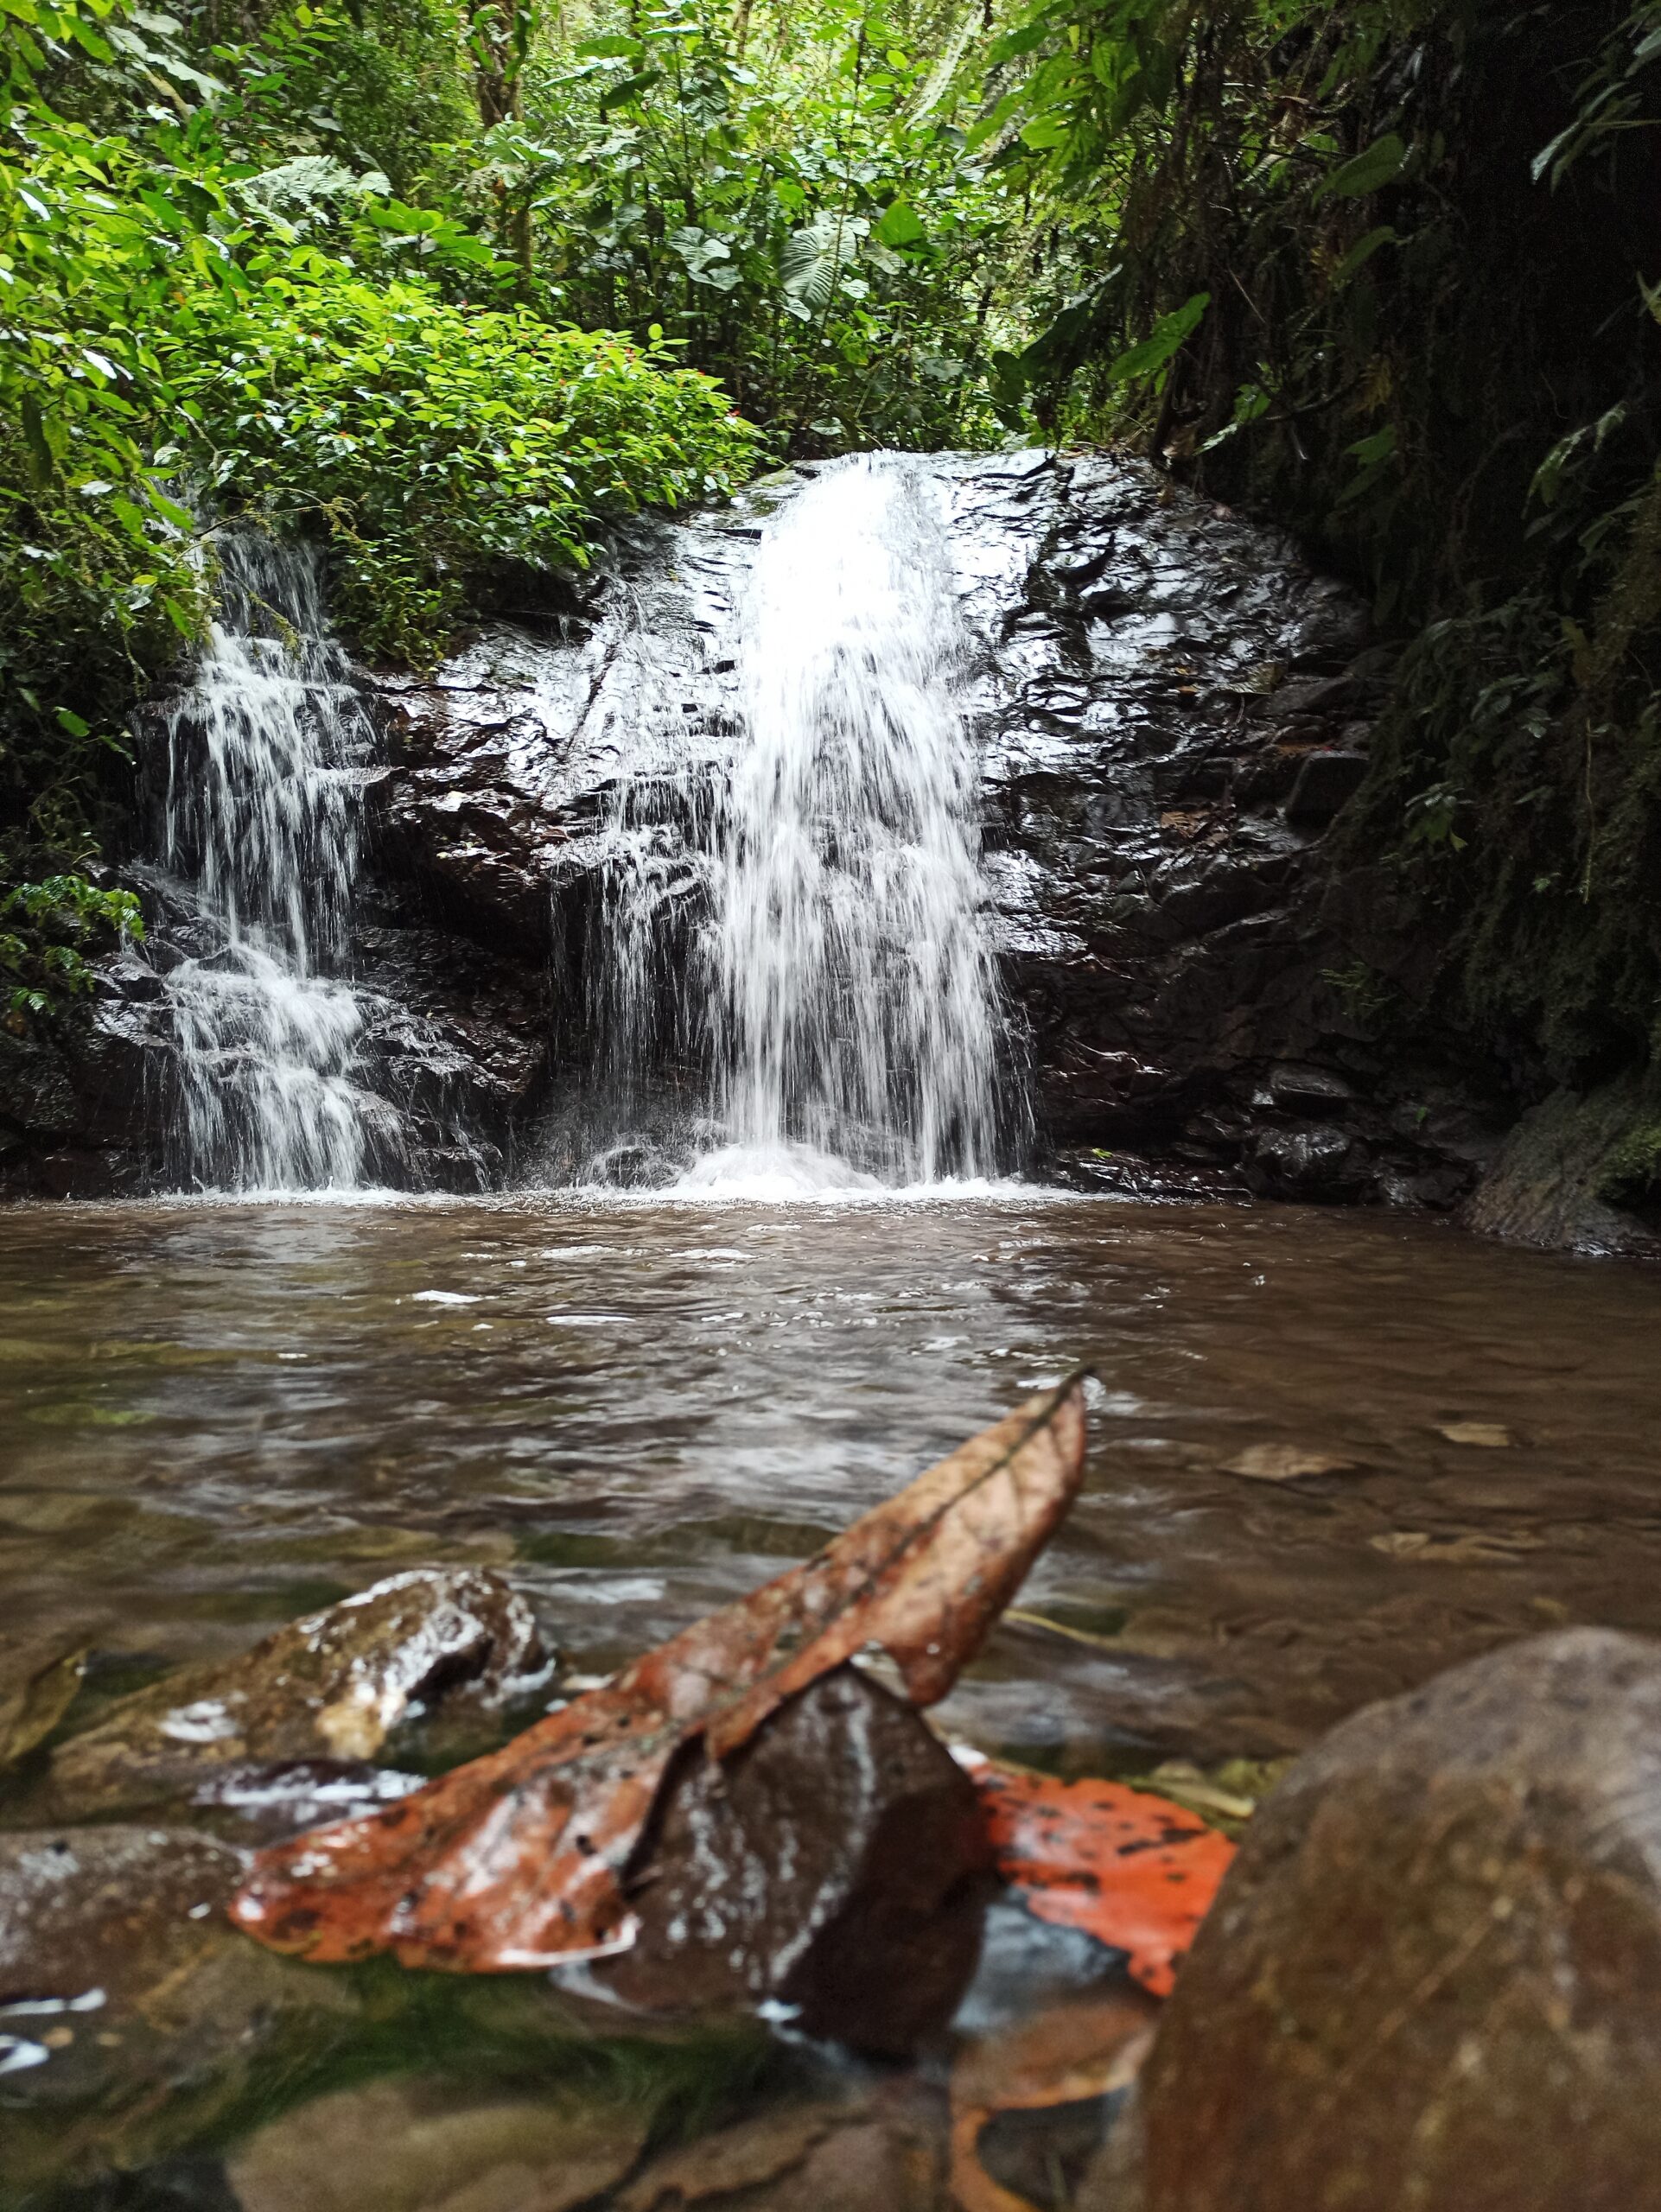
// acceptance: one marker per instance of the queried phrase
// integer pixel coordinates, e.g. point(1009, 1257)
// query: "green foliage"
point(1631, 1176)
point(788, 198)
point(434, 443)
point(43, 927)
point(95, 585)
point(1424, 229)
point(206, 294)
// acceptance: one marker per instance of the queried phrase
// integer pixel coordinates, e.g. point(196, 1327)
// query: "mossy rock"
point(1579, 1172)
point(1631, 1175)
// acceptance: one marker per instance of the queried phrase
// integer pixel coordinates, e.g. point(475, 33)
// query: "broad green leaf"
point(1167, 337)
point(1362, 251)
point(901, 226)
point(1368, 172)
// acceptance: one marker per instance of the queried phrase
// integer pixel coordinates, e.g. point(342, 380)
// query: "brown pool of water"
point(1330, 1454)
point(216, 1416)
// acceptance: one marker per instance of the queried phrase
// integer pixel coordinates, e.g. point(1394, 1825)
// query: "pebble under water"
point(219, 1416)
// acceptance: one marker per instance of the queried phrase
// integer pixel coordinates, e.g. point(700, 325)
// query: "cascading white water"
point(852, 997)
point(265, 753)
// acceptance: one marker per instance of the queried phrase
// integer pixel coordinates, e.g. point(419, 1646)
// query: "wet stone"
point(837, 1867)
point(884, 2154)
point(1313, 1091)
point(131, 2016)
point(765, 2149)
point(1316, 1161)
point(428, 2144)
point(1432, 1977)
point(1325, 782)
point(340, 1686)
point(38, 1683)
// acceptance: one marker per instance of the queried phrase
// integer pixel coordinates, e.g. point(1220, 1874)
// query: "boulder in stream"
point(837, 1867)
point(338, 1687)
point(1433, 1978)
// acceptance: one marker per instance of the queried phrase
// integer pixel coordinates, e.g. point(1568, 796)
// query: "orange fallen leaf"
point(1136, 1871)
point(519, 1859)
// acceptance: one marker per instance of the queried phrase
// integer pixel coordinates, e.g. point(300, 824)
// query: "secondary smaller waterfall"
point(265, 752)
point(851, 997)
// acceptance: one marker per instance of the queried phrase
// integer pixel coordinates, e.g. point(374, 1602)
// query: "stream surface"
point(219, 1415)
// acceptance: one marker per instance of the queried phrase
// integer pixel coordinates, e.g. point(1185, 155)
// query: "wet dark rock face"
point(1176, 711)
point(1582, 1172)
point(1172, 711)
point(838, 1867)
point(1433, 1976)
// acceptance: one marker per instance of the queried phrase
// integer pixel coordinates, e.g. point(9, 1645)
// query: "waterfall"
point(265, 752)
point(840, 994)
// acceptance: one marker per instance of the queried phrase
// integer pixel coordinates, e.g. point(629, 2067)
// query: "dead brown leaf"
point(1494, 1547)
point(1061, 2055)
point(36, 1698)
point(519, 1859)
point(1284, 1463)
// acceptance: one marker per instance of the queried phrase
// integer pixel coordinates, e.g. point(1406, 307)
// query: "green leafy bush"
point(96, 586)
point(43, 928)
point(433, 443)
point(183, 318)
point(785, 193)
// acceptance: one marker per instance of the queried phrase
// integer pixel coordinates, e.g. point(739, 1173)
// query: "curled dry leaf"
point(1136, 1871)
point(37, 1687)
point(1063, 2056)
point(519, 1859)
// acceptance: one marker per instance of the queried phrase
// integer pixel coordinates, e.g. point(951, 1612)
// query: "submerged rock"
point(1431, 1978)
point(338, 1686)
point(435, 2145)
point(882, 2154)
point(38, 1684)
point(132, 2017)
point(836, 1867)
